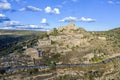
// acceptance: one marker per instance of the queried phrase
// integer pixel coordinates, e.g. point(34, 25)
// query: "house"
point(102, 38)
point(44, 42)
point(32, 52)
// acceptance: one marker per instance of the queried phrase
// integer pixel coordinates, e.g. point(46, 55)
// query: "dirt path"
point(114, 55)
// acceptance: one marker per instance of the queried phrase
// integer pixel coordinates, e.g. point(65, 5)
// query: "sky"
point(93, 15)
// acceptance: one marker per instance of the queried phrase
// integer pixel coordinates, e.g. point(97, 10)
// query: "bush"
point(43, 36)
point(55, 32)
point(94, 74)
point(96, 59)
point(53, 42)
point(51, 60)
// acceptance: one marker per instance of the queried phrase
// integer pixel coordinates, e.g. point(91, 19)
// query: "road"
point(61, 65)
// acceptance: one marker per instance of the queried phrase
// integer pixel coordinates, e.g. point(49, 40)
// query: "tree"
point(51, 60)
point(55, 32)
point(43, 36)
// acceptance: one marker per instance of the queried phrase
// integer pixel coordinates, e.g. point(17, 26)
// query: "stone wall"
point(44, 42)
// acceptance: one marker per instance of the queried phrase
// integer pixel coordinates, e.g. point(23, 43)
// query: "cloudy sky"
point(95, 15)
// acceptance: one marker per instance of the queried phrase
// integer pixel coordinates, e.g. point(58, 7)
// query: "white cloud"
point(44, 21)
point(69, 19)
point(7, 28)
point(52, 11)
point(83, 19)
point(2, 15)
point(32, 26)
point(23, 27)
point(6, 23)
point(4, 5)
point(5, 1)
point(48, 9)
point(31, 8)
point(75, 19)
point(18, 25)
point(10, 23)
point(3, 18)
point(56, 11)
point(113, 2)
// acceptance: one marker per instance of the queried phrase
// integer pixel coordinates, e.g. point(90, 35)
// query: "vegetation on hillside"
point(113, 39)
point(17, 40)
point(55, 32)
point(111, 45)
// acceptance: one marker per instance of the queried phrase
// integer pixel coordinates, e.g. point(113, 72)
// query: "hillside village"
point(70, 40)
point(67, 45)
point(67, 41)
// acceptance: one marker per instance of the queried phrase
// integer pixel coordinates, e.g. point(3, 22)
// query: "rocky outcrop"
point(69, 29)
point(68, 38)
point(70, 26)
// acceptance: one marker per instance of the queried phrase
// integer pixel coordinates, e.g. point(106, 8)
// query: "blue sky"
point(93, 15)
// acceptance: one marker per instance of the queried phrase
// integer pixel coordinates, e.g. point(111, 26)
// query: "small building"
point(32, 52)
point(44, 42)
point(102, 38)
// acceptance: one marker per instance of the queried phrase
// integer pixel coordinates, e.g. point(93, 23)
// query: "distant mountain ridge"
point(115, 29)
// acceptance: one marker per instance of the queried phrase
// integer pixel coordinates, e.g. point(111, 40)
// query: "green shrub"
point(96, 59)
point(91, 75)
point(55, 32)
point(43, 35)
point(53, 42)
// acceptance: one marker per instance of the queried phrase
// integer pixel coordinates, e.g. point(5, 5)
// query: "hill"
point(10, 40)
point(69, 52)
point(77, 45)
